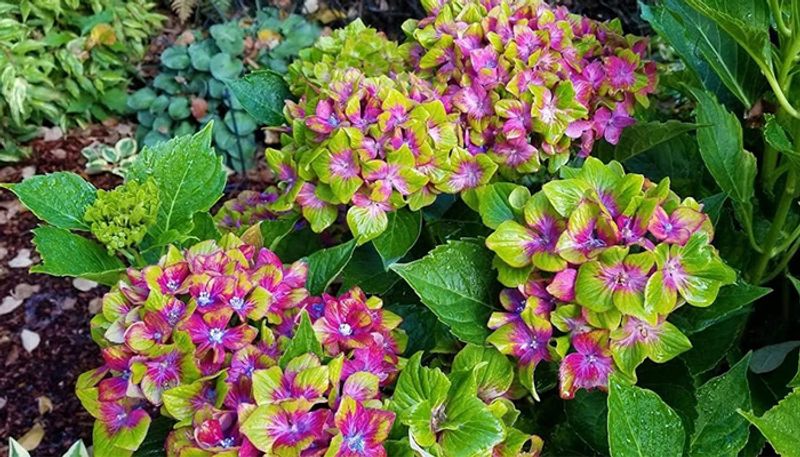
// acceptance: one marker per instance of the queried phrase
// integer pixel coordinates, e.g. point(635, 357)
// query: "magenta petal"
point(563, 285)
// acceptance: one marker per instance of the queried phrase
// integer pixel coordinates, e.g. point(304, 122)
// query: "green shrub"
point(67, 62)
point(191, 91)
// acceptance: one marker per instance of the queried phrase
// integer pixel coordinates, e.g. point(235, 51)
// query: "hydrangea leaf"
point(418, 384)
point(456, 282)
point(494, 205)
point(640, 424)
point(780, 424)
point(60, 199)
point(190, 178)
point(731, 300)
point(67, 254)
point(718, 429)
point(494, 373)
point(325, 265)
point(304, 341)
point(401, 234)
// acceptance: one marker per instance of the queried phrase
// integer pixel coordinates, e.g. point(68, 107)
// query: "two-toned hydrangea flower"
point(529, 79)
point(247, 209)
point(203, 335)
point(595, 264)
point(372, 145)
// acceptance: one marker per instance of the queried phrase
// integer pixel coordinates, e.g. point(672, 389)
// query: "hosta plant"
point(232, 347)
point(67, 62)
point(114, 159)
point(598, 261)
point(190, 90)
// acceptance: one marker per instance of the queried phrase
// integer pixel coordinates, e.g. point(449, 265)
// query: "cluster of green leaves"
point(76, 450)
point(66, 62)
point(190, 90)
point(182, 178)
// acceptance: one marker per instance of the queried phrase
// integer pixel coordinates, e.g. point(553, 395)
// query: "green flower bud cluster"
point(120, 218)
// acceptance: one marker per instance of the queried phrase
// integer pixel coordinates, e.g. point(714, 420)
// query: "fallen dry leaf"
point(32, 438)
point(45, 404)
point(30, 339)
point(3, 402)
point(9, 304)
point(3, 251)
point(28, 171)
point(23, 290)
point(58, 153)
point(69, 303)
point(22, 260)
point(84, 285)
point(51, 133)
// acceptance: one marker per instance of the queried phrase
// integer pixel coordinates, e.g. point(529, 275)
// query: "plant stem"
point(778, 15)
point(784, 205)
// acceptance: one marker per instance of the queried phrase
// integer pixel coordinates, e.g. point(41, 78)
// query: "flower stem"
point(781, 213)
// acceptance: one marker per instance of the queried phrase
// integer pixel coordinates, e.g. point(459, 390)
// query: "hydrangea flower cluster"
point(528, 78)
point(247, 209)
point(596, 262)
point(375, 144)
point(120, 218)
point(220, 338)
point(353, 46)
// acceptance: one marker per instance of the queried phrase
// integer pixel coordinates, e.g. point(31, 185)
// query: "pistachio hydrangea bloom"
point(353, 46)
point(120, 218)
point(595, 264)
point(205, 336)
point(528, 78)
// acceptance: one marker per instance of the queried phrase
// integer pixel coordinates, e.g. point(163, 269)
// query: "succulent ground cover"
point(488, 238)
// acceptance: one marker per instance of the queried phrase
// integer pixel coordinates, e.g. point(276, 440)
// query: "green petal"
point(590, 291)
point(509, 243)
point(364, 225)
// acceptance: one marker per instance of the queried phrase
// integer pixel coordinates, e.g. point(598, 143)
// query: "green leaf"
point(418, 384)
point(424, 331)
point(746, 21)
point(275, 230)
point(153, 444)
point(203, 227)
point(469, 427)
point(588, 413)
point(712, 344)
point(78, 449)
point(780, 425)
point(644, 136)
point(325, 265)
point(732, 300)
point(721, 147)
point(400, 236)
point(190, 178)
point(304, 341)
point(365, 270)
point(225, 68)
point(708, 51)
point(262, 94)
point(640, 424)
point(493, 203)
point(718, 430)
point(67, 254)
point(771, 357)
point(494, 373)
point(776, 136)
point(456, 282)
point(60, 199)
point(15, 449)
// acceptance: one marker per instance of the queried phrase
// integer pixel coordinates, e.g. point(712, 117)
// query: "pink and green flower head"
point(118, 361)
point(218, 433)
point(374, 360)
point(121, 426)
point(153, 329)
point(617, 279)
point(535, 242)
point(285, 428)
point(362, 431)
point(210, 293)
point(588, 367)
point(636, 340)
point(526, 339)
point(249, 359)
point(304, 378)
point(212, 335)
point(679, 225)
point(346, 324)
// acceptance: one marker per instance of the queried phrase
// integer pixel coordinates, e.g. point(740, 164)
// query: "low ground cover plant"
point(67, 63)
point(482, 241)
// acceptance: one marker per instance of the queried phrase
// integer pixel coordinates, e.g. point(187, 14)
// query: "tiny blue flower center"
point(172, 285)
point(226, 442)
point(356, 443)
point(215, 335)
point(237, 303)
point(203, 298)
point(345, 329)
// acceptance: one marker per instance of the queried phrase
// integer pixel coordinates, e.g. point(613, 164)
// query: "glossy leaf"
point(400, 236)
point(325, 265)
point(60, 199)
point(67, 254)
point(262, 94)
point(780, 425)
point(640, 424)
point(304, 341)
point(455, 281)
